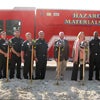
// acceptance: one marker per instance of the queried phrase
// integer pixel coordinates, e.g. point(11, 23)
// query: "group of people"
point(86, 52)
point(21, 51)
point(83, 52)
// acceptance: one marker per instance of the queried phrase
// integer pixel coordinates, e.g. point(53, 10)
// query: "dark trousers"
point(94, 65)
point(15, 63)
point(27, 68)
point(3, 61)
point(40, 69)
point(75, 71)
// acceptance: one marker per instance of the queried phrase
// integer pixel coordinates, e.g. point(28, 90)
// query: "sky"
point(52, 4)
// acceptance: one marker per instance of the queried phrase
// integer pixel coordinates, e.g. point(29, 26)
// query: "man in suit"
point(64, 54)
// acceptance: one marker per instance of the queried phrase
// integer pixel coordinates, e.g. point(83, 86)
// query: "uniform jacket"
point(27, 48)
point(3, 45)
point(16, 43)
point(41, 49)
point(94, 45)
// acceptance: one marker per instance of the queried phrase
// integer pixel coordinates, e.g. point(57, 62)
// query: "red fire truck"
point(51, 21)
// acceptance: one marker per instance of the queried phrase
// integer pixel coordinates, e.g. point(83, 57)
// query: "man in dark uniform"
point(16, 43)
point(94, 62)
point(3, 54)
point(40, 56)
point(64, 54)
point(26, 53)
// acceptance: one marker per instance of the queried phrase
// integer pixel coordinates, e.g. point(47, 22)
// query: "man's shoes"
point(73, 79)
point(11, 77)
point(90, 79)
point(4, 77)
point(97, 79)
point(62, 78)
point(19, 78)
